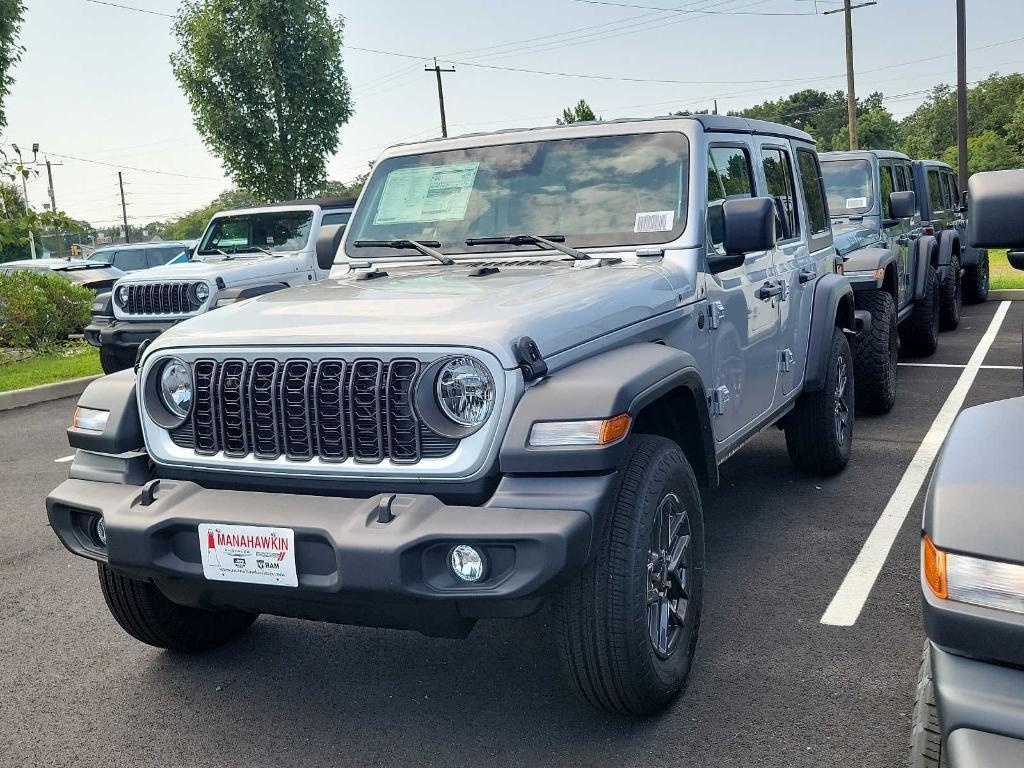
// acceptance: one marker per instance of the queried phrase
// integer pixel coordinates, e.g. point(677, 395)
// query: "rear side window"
point(885, 172)
point(814, 191)
point(729, 178)
point(778, 171)
point(935, 191)
point(130, 260)
point(335, 217)
point(954, 193)
point(156, 257)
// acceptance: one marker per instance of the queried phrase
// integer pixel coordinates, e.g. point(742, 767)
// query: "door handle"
point(769, 291)
point(806, 275)
point(903, 240)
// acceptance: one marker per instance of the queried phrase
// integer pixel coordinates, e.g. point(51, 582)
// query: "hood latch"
point(531, 361)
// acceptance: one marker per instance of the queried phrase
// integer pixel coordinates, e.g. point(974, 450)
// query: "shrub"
point(38, 310)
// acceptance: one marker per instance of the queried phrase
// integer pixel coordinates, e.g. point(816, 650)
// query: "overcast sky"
point(95, 82)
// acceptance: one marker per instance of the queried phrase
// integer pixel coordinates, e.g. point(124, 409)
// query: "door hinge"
point(784, 296)
point(785, 360)
point(717, 398)
point(716, 314)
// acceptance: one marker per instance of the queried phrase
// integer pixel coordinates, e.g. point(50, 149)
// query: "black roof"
point(323, 202)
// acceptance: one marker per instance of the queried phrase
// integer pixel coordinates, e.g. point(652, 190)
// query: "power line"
point(133, 168)
point(714, 13)
point(131, 8)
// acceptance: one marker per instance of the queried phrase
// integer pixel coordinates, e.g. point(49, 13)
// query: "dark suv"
point(942, 214)
point(135, 256)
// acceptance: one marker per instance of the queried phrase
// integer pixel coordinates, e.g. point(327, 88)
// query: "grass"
point(1001, 274)
point(45, 369)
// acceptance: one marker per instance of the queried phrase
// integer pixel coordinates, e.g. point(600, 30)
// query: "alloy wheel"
point(842, 408)
point(669, 561)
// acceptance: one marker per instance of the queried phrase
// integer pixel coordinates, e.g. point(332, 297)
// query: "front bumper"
point(351, 568)
point(123, 336)
point(981, 709)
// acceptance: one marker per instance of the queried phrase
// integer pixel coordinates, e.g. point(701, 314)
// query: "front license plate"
point(248, 554)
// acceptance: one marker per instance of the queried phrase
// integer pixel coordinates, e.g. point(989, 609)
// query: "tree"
point(581, 113)
point(987, 152)
point(267, 87)
point(11, 14)
point(876, 129)
point(192, 224)
point(16, 222)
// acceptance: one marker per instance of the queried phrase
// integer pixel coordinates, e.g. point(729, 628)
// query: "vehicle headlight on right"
point(455, 396)
point(974, 580)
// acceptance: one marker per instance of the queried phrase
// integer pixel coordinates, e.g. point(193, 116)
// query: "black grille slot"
point(296, 414)
point(204, 415)
point(435, 446)
point(184, 436)
point(364, 411)
point(264, 409)
point(160, 299)
point(329, 397)
point(403, 427)
point(232, 410)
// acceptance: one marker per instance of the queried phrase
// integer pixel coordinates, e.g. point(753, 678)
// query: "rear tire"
point(819, 431)
point(950, 297)
point(920, 332)
point(876, 354)
point(627, 625)
point(976, 280)
point(111, 361)
point(927, 749)
point(145, 614)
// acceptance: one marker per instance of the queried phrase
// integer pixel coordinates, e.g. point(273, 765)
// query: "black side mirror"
point(327, 244)
point(748, 225)
point(997, 199)
point(902, 205)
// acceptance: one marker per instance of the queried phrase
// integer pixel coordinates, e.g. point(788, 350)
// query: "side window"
point(778, 171)
point(888, 186)
point(335, 217)
point(814, 193)
point(954, 193)
point(130, 260)
point(935, 190)
point(902, 178)
point(729, 177)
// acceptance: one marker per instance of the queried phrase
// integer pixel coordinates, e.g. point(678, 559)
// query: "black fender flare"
point(833, 306)
point(949, 243)
point(925, 255)
point(103, 305)
point(231, 295)
point(868, 260)
point(622, 380)
point(123, 432)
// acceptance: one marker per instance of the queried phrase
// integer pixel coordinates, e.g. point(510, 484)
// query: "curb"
point(18, 398)
point(1006, 294)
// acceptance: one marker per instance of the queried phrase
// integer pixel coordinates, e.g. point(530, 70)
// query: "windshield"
point(603, 191)
point(256, 233)
point(102, 257)
point(848, 186)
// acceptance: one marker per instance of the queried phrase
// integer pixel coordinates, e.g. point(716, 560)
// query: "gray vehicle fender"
point(925, 249)
point(622, 380)
point(833, 305)
point(123, 432)
point(868, 260)
point(949, 242)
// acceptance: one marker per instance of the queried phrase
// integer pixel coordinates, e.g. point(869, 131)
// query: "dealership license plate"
point(249, 554)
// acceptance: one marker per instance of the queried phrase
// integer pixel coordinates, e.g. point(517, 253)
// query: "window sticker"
point(426, 194)
point(654, 221)
point(856, 202)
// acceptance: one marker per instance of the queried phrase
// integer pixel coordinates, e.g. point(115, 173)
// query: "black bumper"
point(124, 337)
point(351, 568)
point(981, 709)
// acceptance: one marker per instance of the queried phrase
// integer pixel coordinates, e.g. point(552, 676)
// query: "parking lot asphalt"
point(772, 685)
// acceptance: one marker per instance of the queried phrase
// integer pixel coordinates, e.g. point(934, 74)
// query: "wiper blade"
point(555, 242)
point(426, 247)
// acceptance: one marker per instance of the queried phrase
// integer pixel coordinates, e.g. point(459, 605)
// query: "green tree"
point(876, 129)
point(1015, 128)
point(581, 113)
point(192, 224)
point(819, 113)
point(11, 14)
point(987, 152)
point(267, 87)
point(16, 222)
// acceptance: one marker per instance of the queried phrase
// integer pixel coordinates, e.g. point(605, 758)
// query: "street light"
point(24, 192)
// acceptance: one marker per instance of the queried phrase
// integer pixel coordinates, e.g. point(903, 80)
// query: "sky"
point(95, 87)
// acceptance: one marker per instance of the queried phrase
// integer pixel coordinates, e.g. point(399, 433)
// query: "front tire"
point(627, 625)
point(111, 361)
point(876, 354)
point(976, 280)
point(927, 749)
point(950, 297)
point(145, 614)
point(920, 332)
point(819, 431)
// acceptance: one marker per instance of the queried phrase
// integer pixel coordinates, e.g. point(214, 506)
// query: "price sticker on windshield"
point(428, 194)
point(856, 202)
point(654, 221)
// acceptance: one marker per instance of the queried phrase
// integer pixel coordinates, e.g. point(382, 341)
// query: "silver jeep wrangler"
point(543, 343)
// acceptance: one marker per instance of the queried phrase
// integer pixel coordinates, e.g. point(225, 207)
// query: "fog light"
point(467, 563)
point(100, 528)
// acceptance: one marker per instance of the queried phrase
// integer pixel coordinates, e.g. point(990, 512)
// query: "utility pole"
point(53, 208)
point(124, 210)
point(440, 93)
point(961, 93)
point(851, 91)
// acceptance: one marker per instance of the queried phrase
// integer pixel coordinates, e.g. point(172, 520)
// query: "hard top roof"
point(863, 154)
point(323, 202)
point(935, 164)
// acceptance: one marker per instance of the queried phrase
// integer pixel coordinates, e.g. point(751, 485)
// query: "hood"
point(851, 234)
point(232, 270)
point(555, 303)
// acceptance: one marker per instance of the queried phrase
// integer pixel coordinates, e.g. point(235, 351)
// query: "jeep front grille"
point(332, 410)
point(160, 299)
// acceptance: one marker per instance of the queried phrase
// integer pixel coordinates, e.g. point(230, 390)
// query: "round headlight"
point(122, 295)
point(176, 387)
point(465, 391)
point(202, 292)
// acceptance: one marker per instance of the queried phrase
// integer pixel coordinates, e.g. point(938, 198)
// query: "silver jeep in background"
point(542, 345)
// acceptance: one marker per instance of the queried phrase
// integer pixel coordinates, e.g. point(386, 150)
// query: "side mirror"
point(748, 225)
point(327, 244)
point(902, 205)
point(997, 198)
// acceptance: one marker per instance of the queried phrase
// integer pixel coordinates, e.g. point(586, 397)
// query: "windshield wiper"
point(554, 242)
point(264, 250)
point(208, 251)
point(426, 247)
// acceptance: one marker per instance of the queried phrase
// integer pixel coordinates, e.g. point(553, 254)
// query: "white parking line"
point(64, 459)
point(960, 365)
point(848, 602)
